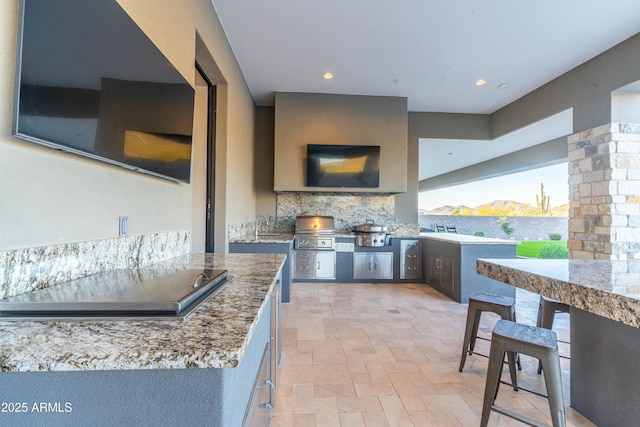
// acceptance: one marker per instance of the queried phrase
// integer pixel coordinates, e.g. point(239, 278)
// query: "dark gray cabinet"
point(451, 264)
point(441, 272)
point(373, 265)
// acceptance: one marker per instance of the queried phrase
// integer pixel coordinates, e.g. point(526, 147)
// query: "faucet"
point(257, 224)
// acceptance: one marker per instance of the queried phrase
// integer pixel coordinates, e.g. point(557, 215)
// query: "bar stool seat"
point(537, 342)
point(501, 305)
point(547, 309)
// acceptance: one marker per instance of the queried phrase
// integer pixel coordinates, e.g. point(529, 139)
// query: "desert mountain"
point(498, 208)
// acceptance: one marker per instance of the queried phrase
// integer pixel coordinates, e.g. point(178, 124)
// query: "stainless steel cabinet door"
point(325, 265)
point(373, 265)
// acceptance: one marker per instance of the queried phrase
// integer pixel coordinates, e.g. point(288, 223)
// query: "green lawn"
point(531, 248)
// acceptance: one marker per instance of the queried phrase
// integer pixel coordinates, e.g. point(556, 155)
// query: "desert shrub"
point(554, 252)
point(555, 236)
point(479, 233)
point(505, 226)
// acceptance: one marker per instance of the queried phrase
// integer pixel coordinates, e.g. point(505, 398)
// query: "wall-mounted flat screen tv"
point(343, 166)
point(90, 82)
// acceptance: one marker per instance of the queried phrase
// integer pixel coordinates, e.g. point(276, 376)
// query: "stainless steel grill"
point(315, 233)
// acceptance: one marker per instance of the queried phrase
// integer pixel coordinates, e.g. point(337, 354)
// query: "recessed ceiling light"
point(503, 85)
point(327, 75)
point(480, 82)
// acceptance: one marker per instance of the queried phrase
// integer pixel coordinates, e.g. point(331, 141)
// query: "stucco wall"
point(48, 197)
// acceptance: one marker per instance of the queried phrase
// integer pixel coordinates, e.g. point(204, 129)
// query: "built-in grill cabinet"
point(314, 255)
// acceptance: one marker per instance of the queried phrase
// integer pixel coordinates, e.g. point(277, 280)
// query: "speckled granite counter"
point(610, 289)
point(264, 238)
point(214, 336)
point(604, 299)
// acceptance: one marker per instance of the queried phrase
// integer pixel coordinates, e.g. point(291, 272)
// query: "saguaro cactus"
point(543, 201)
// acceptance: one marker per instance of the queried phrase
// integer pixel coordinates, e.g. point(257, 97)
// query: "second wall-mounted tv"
point(346, 166)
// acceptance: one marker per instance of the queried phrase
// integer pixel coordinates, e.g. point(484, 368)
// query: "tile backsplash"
point(24, 270)
point(348, 209)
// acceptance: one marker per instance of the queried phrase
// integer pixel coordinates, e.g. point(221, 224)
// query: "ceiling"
point(430, 51)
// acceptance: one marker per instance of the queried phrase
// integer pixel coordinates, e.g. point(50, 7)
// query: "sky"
point(521, 187)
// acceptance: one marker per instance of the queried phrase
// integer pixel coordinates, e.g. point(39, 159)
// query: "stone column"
point(604, 193)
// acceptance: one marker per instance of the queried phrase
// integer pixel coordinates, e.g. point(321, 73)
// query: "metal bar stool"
point(501, 305)
point(547, 309)
point(537, 342)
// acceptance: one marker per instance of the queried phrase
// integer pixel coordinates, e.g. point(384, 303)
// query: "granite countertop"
point(448, 237)
point(264, 238)
point(214, 336)
point(610, 289)
point(465, 239)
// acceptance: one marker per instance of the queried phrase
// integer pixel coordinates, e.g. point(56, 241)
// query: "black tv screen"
point(343, 166)
point(90, 82)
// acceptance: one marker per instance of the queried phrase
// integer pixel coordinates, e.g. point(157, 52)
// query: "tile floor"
point(388, 355)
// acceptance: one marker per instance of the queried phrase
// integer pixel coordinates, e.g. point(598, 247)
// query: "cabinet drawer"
point(411, 259)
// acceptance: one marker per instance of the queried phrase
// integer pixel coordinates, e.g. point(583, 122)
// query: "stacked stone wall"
point(604, 193)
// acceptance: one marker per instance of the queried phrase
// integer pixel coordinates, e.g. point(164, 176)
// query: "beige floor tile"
point(361, 378)
point(377, 373)
point(375, 390)
point(334, 390)
point(326, 410)
point(351, 419)
point(304, 420)
point(359, 404)
point(388, 355)
point(394, 410)
point(375, 419)
point(355, 362)
point(413, 403)
point(303, 398)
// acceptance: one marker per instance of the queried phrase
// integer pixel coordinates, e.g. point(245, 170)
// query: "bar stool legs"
point(501, 305)
point(536, 342)
point(547, 308)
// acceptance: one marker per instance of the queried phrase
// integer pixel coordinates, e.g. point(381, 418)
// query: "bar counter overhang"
point(604, 297)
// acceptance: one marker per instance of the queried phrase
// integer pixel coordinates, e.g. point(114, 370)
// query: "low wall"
point(525, 227)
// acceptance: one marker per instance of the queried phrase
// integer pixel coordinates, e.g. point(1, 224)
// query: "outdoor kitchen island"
point(450, 264)
point(604, 297)
point(200, 371)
